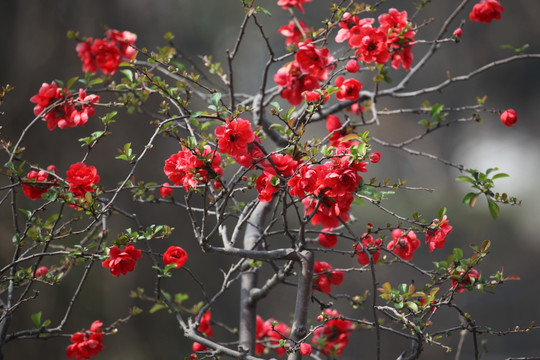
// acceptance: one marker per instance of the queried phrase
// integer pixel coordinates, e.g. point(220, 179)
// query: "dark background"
point(34, 49)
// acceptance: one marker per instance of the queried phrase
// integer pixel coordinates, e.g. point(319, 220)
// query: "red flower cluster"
point(311, 65)
point(329, 188)
point(403, 245)
point(437, 232)
point(390, 41)
point(122, 261)
point(265, 332)
point(465, 281)
point(368, 244)
point(191, 168)
point(70, 111)
point(37, 183)
point(107, 54)
point(176, 255)
point(299, 4)
point(81, 178)
point(324, 277)
point(334, 335)
point(237, 139)
point(86, 344)
point(204, 327)
point(292, 33)
point(509, 117)
point(486, 10)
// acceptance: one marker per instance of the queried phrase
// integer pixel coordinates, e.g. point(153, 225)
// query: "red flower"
point(204, 325)
point(352, 66)
point(42, 271)
point(122, 261)
point(82, 109)
point(327, 240)
point(123, 40)
point(191, 168)
point(305, 349)
point(234, 137)
point(165, 190)
point(437, 232)
point(38, 182)
point(284, 163)
point(509, 117)
point(84, 50)
point(304, 181)
point(286, 4)
point(267, 184)
point(465, 281)
point(312, 61)
point(334, 335)
point(87, 344)
point(370, 44)
point(457, 33)
point(292, 32)
point(397, 28)
point(350, 89)
point(375, 157)
point(81, 178)
point(293, 82)
point(324, 277)
point(106, 54)
point(486, 10)
point(368, 244)
point(403, 245)
point(176, 255)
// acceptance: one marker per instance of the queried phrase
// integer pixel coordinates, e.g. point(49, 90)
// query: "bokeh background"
point(34, 49)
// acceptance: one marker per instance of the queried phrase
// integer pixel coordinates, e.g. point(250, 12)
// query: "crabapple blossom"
point(349, 89)
point(486, 10)
point(403, 245)
point(175, 255)
point(122, 261)
point(465, 279)
point(437, 232)
point(327, 240)
point(86, 344)
point(368, 244)
point(81, 178)
point(509, 117)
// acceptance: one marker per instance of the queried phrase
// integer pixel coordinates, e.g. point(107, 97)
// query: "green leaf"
point(127, 73)
point(466, 178)
point(458, 254)
point(36, 319)
point(467, 198)
point(412, 305)
point(215, 99)
point(156, 308)
point(500, 175)
point(71, 81)
point(493, 208)
point(442, 212)
point(195, 114)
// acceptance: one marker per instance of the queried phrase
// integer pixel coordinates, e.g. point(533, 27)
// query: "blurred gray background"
point(34, 49)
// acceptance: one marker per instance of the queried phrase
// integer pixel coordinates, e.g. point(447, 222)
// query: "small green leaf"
point(442, 212)
point(36, 319)
point(128, 74)
point(216, 97)
point(500, 175)
point(493, 208)
point(412, 305)
point(458, 254)
point(466, 178)
point(71, 81)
